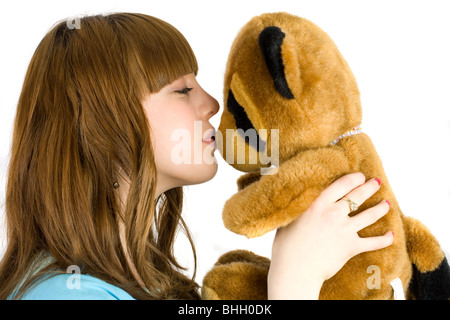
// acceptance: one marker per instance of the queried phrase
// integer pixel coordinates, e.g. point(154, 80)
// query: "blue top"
point(75, 287)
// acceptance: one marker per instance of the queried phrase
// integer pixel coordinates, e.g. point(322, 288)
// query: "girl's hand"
point(316, 245)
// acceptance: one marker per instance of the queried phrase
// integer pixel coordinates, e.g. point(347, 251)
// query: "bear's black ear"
point(270, 41)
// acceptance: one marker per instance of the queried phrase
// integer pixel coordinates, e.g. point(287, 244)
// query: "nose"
point(209, 106)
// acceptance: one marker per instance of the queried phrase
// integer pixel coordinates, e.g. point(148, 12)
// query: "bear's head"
point(287, 89)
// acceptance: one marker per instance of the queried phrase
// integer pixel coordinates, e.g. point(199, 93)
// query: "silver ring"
point(352, 205)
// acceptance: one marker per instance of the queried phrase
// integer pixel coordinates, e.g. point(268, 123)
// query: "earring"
point(116, 184)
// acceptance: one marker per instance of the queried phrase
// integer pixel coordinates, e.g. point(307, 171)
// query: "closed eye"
point(184, 90)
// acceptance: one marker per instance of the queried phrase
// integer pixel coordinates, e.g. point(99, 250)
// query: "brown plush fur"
point(245, 274)
point(326, 104)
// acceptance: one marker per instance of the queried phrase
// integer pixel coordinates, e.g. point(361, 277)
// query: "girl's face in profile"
point(182, 137)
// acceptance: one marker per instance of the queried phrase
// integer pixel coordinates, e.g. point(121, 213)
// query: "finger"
point(341, 187)
point(370, 216)
point(362, 192)
point(376, 243)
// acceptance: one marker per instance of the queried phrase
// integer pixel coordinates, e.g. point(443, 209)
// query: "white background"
point(398, 50)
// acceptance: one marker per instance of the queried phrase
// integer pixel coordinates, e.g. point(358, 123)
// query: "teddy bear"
point(292, 121)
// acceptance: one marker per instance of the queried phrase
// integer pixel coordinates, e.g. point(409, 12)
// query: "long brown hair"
point(79, 119)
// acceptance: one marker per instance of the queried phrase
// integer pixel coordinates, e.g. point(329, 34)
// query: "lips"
point(209, 136)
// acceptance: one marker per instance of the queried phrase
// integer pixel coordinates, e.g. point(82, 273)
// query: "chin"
point(207, 172)
point(187, 174)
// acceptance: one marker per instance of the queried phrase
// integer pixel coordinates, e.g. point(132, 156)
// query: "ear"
point(270, 41)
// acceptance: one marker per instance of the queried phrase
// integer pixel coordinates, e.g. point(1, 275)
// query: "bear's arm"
point(275, 200)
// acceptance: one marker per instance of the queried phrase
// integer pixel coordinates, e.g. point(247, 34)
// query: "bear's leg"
point(431, 272)
point(237, 275)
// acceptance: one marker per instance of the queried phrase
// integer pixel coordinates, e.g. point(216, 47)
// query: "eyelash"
point(184, 91)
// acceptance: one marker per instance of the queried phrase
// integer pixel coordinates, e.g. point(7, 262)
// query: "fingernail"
point(378, 180)
point(392, 233)
point(388, 202)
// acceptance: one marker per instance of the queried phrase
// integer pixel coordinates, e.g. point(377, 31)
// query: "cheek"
point(166, 132)
point(172, 127)
point(177, 142)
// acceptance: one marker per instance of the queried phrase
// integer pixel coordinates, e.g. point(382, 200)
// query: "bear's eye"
point(238, 112)
point(244, 123)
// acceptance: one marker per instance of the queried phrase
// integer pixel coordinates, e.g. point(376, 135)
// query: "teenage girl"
point(93, 189)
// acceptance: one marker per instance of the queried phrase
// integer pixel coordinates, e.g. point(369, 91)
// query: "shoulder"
point(75, 287)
